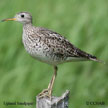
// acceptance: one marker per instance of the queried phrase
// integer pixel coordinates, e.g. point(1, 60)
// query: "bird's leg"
point(51, 84)
point(48, 92)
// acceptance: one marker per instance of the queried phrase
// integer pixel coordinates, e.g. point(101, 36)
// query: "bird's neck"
point(27, 25)
point(27, 31)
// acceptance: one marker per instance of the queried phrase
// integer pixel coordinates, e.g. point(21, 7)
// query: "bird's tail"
point(88, 56)
point(93, 58)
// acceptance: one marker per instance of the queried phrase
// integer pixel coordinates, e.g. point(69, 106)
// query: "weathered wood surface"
point(55, 102)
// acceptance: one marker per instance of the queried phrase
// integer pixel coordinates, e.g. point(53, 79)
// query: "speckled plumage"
point(50, 47)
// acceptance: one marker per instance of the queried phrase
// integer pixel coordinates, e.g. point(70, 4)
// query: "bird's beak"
point(9, 19)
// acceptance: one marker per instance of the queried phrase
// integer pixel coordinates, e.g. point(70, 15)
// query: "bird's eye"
point(22, 16)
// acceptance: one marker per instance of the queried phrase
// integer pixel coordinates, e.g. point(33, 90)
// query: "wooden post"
point(56, 102)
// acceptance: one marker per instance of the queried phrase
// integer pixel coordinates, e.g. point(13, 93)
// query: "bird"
point(49, 47)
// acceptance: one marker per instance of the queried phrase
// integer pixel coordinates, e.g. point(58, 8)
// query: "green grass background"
point(84, 23)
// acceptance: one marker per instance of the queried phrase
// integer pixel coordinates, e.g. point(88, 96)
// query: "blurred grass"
point(84, 23)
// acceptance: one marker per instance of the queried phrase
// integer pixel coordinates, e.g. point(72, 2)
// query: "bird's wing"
point(61, 46)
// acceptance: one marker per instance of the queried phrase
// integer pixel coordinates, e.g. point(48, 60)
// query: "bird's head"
point(22, 17)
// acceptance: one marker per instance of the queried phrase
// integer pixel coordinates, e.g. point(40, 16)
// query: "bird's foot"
point(45, 93)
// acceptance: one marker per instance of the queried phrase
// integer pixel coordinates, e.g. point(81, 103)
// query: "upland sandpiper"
point(48, 46)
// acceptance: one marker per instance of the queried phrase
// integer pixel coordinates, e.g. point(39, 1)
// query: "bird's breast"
point(39, 50)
